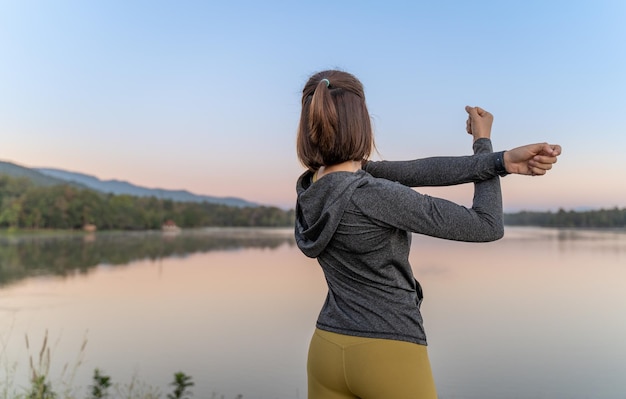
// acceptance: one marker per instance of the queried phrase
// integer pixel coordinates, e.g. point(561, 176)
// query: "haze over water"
point(539, 314)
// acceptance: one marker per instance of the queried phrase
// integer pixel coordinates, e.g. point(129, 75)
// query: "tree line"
point(602, 218)
point(26, 205)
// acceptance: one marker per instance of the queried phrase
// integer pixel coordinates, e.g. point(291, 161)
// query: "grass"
point(102, 386)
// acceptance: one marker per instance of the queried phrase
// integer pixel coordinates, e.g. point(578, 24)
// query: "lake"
point(538, 314)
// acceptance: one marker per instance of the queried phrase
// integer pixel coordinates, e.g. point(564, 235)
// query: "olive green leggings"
point(347, 367)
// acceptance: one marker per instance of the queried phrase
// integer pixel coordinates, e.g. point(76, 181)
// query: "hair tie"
point(327, 82)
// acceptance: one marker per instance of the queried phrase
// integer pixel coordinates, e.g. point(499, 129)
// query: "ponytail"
point(323, 117)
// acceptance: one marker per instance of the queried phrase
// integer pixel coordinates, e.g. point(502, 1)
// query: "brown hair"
point(334, 125)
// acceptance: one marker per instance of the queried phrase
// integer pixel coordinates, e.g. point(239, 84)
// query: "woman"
point(356, 217)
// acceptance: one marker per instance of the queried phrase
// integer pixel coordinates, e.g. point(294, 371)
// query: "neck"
point(348, 166)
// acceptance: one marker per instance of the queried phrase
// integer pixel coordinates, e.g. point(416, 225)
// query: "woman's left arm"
point(531, 159)
point(435, 171)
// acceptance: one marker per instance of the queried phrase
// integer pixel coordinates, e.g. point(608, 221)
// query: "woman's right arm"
point(401, 207)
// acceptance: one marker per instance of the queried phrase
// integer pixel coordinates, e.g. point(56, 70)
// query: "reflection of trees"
point(63, 255)
point(603, 218)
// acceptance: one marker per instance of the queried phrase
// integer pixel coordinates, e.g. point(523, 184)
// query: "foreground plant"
point(41, 387)
point(181, 384)
point(101, 385)
point(40, 381)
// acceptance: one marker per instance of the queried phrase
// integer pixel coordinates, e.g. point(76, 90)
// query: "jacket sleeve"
point(436, 171)
point(398, 206)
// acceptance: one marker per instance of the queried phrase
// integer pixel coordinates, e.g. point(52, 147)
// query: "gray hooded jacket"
point(359, 225)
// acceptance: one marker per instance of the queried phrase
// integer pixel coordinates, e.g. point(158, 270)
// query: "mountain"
point(51, 177)
point(123, 187)
point(38, 178)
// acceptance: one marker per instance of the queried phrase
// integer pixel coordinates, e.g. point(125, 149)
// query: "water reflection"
point(236, 315)
point(26, 256)
point(538, 314)
point(567, 240)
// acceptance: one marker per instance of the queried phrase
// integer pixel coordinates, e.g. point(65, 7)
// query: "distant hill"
point(38, 178)
point(51, 177)
point(123, 187)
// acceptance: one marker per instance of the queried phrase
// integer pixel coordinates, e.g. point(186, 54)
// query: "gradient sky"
point(204, 95)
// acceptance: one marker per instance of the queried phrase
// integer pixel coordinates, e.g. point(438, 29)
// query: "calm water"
point(539, 314)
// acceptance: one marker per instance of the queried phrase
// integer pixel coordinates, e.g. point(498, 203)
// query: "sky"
point(205, 95)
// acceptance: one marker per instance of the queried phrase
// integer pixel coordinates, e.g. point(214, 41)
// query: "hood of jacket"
point(321, 205)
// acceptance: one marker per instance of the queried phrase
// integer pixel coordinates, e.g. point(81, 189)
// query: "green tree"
point(10, 212)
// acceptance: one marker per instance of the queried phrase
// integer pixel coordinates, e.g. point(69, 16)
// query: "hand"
point(478, 122)
point(532, 159)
